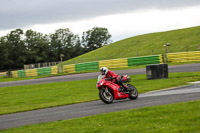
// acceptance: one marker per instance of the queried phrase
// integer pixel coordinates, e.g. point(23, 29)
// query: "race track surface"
point(94, 75)
point(161, 97)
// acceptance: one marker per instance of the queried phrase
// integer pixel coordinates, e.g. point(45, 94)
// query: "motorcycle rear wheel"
point(106, 97)
point(133, 93)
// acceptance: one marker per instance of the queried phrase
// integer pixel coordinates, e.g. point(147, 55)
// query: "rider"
point(110, 75)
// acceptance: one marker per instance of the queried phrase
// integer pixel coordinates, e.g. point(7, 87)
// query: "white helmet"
point(104, 70)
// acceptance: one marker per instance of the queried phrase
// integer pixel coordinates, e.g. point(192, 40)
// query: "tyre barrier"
point(114, 63)
point(183, 56)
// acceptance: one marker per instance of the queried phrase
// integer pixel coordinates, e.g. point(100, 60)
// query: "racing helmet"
point(104, 70)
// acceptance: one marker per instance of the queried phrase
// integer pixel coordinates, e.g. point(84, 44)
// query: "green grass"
point(9, 79)
point(172, 118)
point(6, 79)
point(30, 97)
point(144, 44)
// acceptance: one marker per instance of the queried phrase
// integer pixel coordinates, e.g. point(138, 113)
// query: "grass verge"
point(6, 79)
point(30, 97)
point(179, 117)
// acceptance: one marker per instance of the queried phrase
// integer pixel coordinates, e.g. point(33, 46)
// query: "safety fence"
point(40, 65)
point(183, 56)
point(86, 66)
point(145, 60)
point(2, 73)
point(35, 72)
point(114, 63)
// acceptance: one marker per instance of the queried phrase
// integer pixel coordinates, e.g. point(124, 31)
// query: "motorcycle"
point(109, 91)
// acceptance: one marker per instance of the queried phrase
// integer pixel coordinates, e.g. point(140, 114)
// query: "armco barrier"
point(35, 72)
point(115, 63)
point(2, 73)
point(31, 72)
point(21, 73)
point(145, 60)
point(14, 74)
point(54, 70)
point(161, 58)
point(69, 68)
point(87, 66)
point(184, 56)
point(44, 71)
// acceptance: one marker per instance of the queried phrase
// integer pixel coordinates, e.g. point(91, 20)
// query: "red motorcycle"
point(109, 91)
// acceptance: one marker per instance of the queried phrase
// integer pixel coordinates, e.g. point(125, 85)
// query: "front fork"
point(106, 91)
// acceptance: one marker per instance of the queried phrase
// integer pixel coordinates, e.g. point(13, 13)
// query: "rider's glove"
point(109, 78)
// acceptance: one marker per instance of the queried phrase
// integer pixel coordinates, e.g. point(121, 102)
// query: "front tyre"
point(133, 93)
point(106, 96)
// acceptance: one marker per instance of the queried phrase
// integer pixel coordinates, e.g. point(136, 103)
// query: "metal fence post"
point(186, 48)
point(152, 52)
point(9, 74)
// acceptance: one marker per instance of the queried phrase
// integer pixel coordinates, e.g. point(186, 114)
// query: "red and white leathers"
point(114, 78)
point(112, 75)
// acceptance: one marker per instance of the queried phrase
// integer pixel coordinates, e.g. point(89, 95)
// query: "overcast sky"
point(123, 18)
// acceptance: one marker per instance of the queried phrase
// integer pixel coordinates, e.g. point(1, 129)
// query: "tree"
point(16, 49)
point(37, 47)
point(77, 49)
point(4, 54)
point(95, 38)
point(63, 42)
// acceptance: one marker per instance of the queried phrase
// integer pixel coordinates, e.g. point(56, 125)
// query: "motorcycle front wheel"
point(133, 93)
point(106, 96)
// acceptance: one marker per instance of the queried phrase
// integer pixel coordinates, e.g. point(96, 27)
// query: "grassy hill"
point(147, 44)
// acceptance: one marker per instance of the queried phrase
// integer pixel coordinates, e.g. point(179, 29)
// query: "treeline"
point(18, 47)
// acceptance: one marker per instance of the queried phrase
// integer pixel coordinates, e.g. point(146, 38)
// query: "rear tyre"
point(106, 97)
point(133, 93)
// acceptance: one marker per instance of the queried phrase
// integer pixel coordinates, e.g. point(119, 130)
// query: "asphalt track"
point(175, 68)
point(161, 97)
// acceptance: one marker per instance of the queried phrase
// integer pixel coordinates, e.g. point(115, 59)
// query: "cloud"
point(133, 23)
point(24, 13)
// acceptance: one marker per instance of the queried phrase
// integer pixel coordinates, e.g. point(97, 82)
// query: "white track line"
point(170, 92)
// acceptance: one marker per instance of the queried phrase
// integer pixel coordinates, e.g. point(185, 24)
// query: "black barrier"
point(157, 71)
point(8, 74)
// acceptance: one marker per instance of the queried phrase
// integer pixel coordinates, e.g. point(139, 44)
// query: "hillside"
point(147, 44)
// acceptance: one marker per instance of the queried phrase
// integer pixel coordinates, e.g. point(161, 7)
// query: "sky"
point(123, 18)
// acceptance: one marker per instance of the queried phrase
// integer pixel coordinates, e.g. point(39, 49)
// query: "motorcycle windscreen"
point(100, 78)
